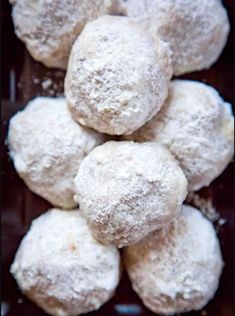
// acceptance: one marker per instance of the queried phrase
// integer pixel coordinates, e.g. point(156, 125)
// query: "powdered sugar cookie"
point(117, 77)
point(196, 30)
point(127, 190)
point(62, 268)
point(47, 147)
point(197, 127)
point(49, 28)
point(178, 269)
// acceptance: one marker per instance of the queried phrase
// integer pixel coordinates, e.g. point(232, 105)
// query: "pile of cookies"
point(117, 156)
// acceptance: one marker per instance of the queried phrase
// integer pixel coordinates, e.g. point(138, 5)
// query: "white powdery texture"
point(47, 147)
point(196, 30)
point(177, 269)
point(49, 28)
point(197, 127)
point(117, 77)
point(62, 268)
point(127, 190)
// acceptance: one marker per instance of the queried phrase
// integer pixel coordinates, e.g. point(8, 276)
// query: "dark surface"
point(20, 206)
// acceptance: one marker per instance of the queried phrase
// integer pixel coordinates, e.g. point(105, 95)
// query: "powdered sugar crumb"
point(47, 83)
point(36, 80)
point(52, 84)
point(205, 205)
point(20, 300)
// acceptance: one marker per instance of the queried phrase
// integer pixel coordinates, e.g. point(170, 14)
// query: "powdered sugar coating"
point(49, 28)
point(47, 147)
point(126, 190)
point(177, 269)
point(62, 268)
point(117, 77)
point(196, 30)
point(197, 127)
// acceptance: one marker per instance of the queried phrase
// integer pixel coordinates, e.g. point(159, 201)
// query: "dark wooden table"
point(22, 79)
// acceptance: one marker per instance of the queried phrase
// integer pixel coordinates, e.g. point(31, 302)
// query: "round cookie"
point(47, 147)
point(197, 127)
point(117, 77)
point(178, 269)
point(62, 268)
point(49, 28)
point(127, 190)
point(196, 30)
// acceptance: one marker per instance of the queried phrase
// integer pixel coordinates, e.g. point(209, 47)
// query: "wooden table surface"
point(22, 80)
